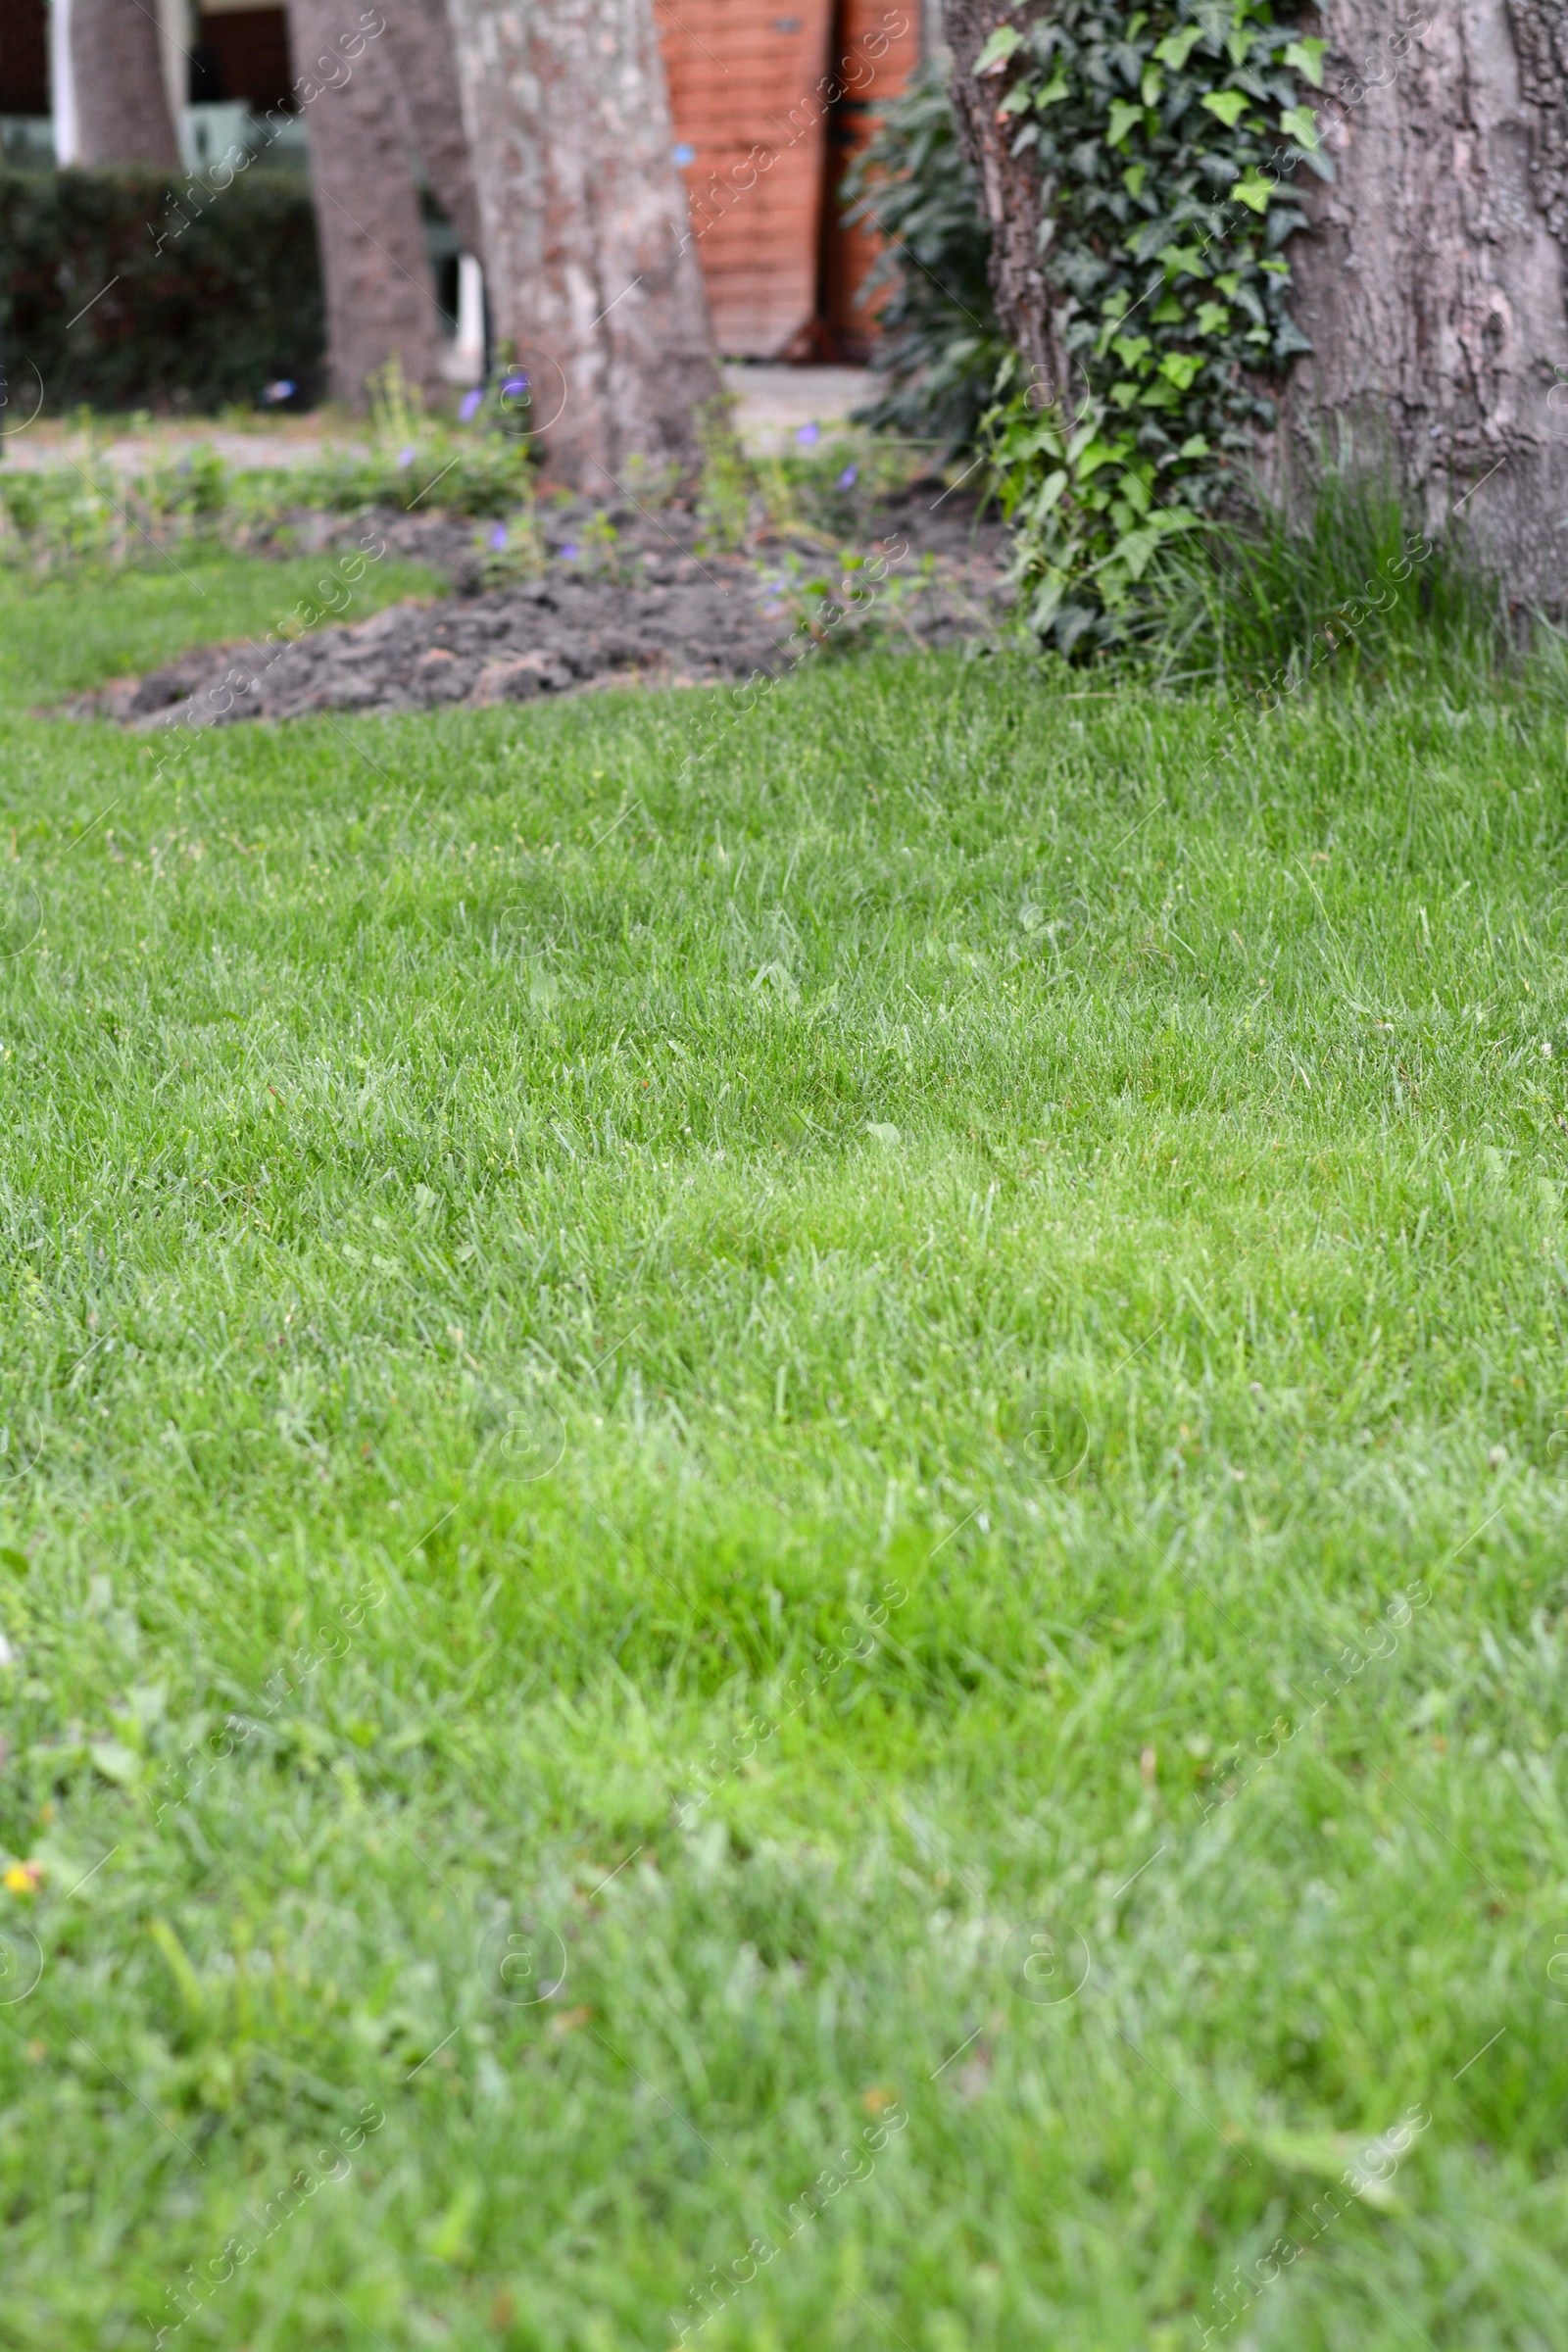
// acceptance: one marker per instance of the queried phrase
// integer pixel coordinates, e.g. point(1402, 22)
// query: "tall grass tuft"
point(1355, 583)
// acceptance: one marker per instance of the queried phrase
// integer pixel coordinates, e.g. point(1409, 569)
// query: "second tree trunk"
point(380, 293)
point(590, 270)
point(117, 69)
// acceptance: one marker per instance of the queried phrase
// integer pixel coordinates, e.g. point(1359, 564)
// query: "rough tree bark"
point(420, 43)
point(590, 267)
point(380, 294)
point(123, 111)
point(1434, 282)
point(1009, 185)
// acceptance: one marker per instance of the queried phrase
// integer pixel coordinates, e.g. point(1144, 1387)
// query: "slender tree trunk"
point(420, 39)
point(380, 294)
point(590, 267)
point(123, 111)
point(1433, 285)
point(1009, 185)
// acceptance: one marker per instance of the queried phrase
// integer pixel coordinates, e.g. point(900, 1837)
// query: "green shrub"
point(939, 345)
point(89, 303)
point(482, 465)
point(86, 511)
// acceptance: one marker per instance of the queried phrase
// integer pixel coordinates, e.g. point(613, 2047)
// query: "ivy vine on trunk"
point(1162, 145)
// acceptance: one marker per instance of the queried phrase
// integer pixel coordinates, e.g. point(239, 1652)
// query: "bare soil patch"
point(619, 596)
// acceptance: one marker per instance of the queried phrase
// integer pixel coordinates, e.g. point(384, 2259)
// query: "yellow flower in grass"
point(25, 1878)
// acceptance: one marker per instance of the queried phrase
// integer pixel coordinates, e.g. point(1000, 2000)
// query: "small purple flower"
point(514, 387)
point(405, 455)
point(807, 434)
point(498, 537)
point(469, 406)
point(282, 390)
point(569, 551)
point(849, 477)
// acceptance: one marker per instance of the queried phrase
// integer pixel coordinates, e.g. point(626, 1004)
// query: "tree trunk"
point(1434, 282)
point(420, 39)
point(1433, 285)
point(123, 111)
point(1011, 187)
point(590, 267)
point(380, 294)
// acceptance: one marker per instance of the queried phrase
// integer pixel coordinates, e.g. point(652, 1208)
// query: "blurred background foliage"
point(939, 345)
point(94, 312)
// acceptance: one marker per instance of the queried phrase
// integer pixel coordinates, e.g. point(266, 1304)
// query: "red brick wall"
point(745, 93)
point(876, 48)
point(771, 99)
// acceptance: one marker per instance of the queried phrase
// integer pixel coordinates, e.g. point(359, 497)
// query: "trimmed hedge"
point(233, 303)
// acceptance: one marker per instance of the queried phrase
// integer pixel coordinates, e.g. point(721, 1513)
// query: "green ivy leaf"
point(1177, 47)
point(1056, 90)
point(1307, 58)
point(1091, 457)
point(1213, 317)
point(1005, 42)
point(1179, 367)
point(1151, 86)
point(1253, 192)
point(1043, 611)
point(1194, 447)
point(1299, 123)
point(1050, 490)
point(1123, 114)
point(1228, 105)
point(1181, 259)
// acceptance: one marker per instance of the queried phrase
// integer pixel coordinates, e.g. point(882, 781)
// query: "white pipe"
point(63, 84)
point(175, 33)
point(463, 361)
point(470, 314)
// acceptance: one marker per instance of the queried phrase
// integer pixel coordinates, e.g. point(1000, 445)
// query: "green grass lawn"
point(69, 634)
point(785, 1548)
